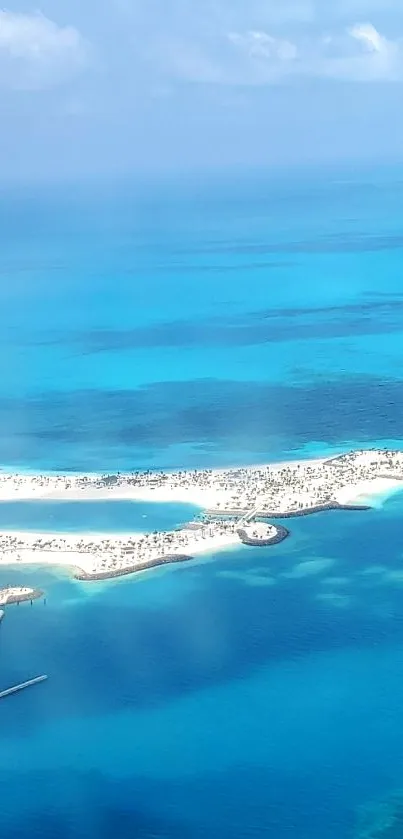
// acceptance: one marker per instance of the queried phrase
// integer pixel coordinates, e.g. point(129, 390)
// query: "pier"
point(21, 686)
point(18, 594)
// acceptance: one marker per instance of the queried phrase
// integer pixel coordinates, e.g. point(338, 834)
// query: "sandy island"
point(233, 501)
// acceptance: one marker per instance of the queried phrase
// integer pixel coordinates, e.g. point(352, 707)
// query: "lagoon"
point(94, 516)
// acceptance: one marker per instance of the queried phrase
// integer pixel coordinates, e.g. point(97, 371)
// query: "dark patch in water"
point(336, 243)
point(228, 415)
point(234, 803)
point(79, 805)
point(261, 327)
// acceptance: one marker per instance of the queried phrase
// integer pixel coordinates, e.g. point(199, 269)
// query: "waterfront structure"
point(18, 594)
point(22, 686)
point(233, 500)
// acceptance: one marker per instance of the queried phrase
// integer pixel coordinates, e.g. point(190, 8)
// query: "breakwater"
point(22, 597)
point(318, 508)
point(279, 536)
point(131, 569)
point(288, 514)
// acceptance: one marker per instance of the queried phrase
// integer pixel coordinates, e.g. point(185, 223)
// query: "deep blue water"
point(255, 693)
point(94, 516)
point(258, 692)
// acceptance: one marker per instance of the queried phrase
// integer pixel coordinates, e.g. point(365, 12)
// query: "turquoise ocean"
point(236, 320)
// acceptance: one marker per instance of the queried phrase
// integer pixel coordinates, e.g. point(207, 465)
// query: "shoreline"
point(13, 595)
point(83, 576)
point(352, 481)
point(294, 514)
point(7, 470)
point(95, 560)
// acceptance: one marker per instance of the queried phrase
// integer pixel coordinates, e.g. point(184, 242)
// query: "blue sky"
point(90, 87)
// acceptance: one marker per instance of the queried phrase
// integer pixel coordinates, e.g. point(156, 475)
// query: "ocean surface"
point(257, 692)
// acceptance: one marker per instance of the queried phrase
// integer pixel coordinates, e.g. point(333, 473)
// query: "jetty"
point(22, 686)
point(18, 594)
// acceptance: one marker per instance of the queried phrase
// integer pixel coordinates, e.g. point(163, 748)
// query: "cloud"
point(358, 53)
point(261, 42)
point(262, 45)
point(363, 54)
point(37, 53)
point(369, 37)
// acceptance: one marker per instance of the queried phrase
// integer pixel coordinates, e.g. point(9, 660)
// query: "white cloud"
point(256, 57)
point(35, 52)
point(262, 45)
point(369, 37)
point(238, 43)
point(363, 54)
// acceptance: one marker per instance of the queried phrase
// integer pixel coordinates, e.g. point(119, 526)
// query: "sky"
point(92, 87)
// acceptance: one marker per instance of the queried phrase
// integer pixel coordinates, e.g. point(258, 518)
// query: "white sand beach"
point(96, 554)
point(231, 499)
point(371, 492)
point(57, 488)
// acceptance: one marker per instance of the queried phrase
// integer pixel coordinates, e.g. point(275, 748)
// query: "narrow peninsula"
point(236, 506)
point(18, 594)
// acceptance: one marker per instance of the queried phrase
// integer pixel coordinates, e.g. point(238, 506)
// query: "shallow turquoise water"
point(254, 693)
point(94, 516)
point(201, 324)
